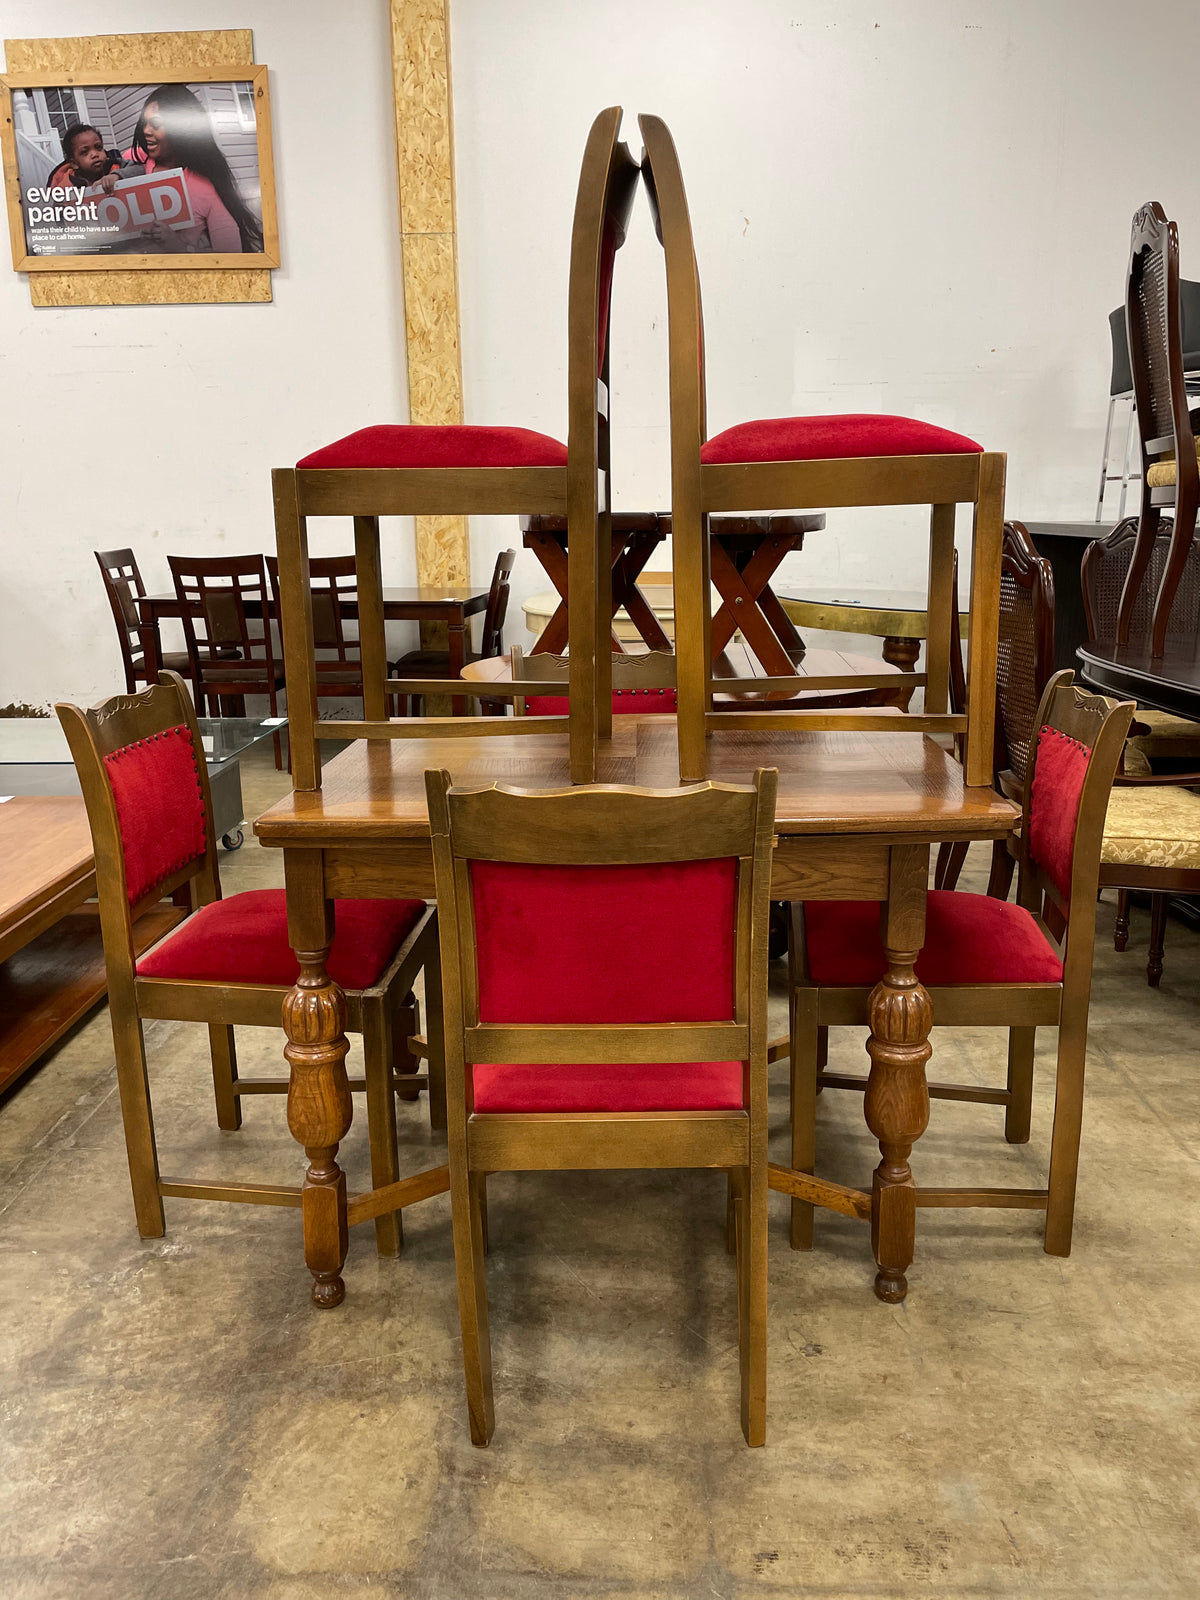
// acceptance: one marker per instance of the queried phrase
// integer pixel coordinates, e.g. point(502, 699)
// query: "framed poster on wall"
point(119, 173)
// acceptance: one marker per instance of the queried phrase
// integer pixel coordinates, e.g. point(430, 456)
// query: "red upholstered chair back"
point(1072, 765)
point(144, 779)
point(642, 684)
point(573, 919)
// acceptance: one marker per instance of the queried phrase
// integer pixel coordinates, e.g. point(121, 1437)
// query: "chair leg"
point(472, 1301)
point(435, 1033)
point(807, 1044)
point(751, 1210)
point(950, 858)
point(1158, 938)
point(730, 1215)
point(404, 1026)
point(381, 1117)
point(479, 1179)
point(1001, 876)
point(1068, 1122)
point(137, 1116)
point(1121, 931)
point(1018, 1112)
point(224, 1071)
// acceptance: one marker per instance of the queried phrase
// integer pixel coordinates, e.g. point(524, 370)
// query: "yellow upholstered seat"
point(1152, 827)
point(1162, 474)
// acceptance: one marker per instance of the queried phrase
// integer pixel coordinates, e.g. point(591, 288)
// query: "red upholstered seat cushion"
point(625, 703)
point(160, 807)
point(1059, 770)
point(969, 938)
point(435, 445)
point(245, 940)
point(833, 438)
point(660, 1086)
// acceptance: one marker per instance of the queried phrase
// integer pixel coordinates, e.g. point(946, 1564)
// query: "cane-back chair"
point(436, 663)
point(565, 1050)
point(142, 653)
point(801, 462)
point(985, 962)
point(226, 605)
point(229, 963)
point(432, 470)
point(1170, 468)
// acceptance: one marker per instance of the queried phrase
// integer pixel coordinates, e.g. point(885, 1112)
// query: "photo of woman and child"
point(100, 197)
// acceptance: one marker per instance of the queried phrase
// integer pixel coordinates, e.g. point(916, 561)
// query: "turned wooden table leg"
point(319, 1104)
point(902, 653)
point(897, 1099)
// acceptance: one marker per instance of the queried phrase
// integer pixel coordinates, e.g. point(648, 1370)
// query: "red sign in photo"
point(135, 203)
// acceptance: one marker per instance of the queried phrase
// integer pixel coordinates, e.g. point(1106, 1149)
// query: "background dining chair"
point(339, 656)
point(436, 663)
point(641, 684)
point(142, 654)
point(463, 469)
point(802, 462)
point(145, 784)
point(542, 897)
point(226, 605)
point(1170, 467)
point(985, 962)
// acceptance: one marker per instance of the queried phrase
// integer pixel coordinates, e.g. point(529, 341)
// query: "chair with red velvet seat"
point(431, 470)
point(542, 899)
point(145, 783)
point(805, 462)
point(985, 962)
point(641, 684)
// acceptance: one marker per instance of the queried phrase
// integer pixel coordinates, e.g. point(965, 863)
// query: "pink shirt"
point(215, 228)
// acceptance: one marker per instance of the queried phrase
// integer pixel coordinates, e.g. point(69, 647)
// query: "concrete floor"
point(179, 1423)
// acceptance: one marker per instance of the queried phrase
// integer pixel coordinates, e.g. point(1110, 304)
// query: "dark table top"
point(399, 604)
point(1170, 683)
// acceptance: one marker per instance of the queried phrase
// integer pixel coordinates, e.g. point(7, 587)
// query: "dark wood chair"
point(141, 648)
point(985, 962)
point(436, 663)
point(541, 899)
point(802, 462)
point(430, 470)
point(339, 656)
point(229, 963)
point(1170, 465)
point(226, 605)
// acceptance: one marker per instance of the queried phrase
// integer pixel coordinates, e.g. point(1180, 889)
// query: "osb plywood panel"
point(424, 135)
point(159, 52)
point(425, 171)
point(443, 552)
point(149, 288)
point(155, 53)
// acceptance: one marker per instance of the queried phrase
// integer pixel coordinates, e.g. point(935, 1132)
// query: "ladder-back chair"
point(459, 469)
point(549, 905)
point(1170, 469)
point(802, 462)
point(229, 963)
point(985, 962)
point(142, 653)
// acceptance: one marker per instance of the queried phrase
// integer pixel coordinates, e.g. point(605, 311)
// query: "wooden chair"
point(142, 654)
point(145, 783)
point(433, 470)
point(542, 897)
point(339, 656)
point(641, 684)
point(800, 462)
point(436, 663)
point(1152, 834)
point(985, 962)
point(1170, 467)
point(226, 605)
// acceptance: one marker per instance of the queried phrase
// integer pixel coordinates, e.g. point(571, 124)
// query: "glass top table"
point(35, 759)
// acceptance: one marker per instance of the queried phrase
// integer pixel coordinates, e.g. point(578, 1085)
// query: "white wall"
point(920, 208)
point(178, 413)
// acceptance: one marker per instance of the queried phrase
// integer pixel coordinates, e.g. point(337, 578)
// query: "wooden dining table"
point(856, 816)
